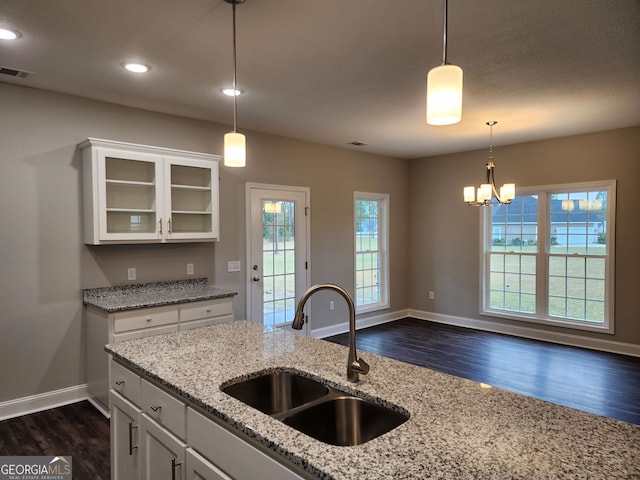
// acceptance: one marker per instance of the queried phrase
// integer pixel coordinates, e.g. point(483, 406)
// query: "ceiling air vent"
point(12, 72)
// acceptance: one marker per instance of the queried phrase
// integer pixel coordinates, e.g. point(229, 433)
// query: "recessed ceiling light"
point(6, 34)
point(137, 67)
point(230, 92)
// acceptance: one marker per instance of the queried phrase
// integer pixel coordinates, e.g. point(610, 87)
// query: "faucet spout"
point(355, 365)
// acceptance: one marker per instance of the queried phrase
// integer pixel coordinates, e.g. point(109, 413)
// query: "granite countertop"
point(457, 430)
point(145, 295)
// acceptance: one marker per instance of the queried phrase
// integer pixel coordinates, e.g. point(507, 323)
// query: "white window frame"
point(383, 250)
point(543, 253)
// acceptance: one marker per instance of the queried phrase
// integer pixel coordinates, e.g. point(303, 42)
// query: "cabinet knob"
point(149, 319)
point(156, 408)
point(119, 382)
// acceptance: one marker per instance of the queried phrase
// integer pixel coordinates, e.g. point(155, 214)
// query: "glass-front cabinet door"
point(191, 199)
point(131, 193)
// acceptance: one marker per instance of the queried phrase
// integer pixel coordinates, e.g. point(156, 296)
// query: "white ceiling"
point(334, 72)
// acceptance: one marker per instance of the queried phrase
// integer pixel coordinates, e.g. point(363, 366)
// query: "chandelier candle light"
point(488, 189)
point(235, 151)
point(444, 88)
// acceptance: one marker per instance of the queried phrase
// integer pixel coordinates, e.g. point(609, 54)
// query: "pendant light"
point(444, 87)
point(488, 189)
point(235, 149)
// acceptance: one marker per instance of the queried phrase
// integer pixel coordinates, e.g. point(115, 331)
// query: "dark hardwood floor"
point(77, 430)
point(602, 383)
point(596, 382)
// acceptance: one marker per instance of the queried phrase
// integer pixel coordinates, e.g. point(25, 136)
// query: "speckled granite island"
point(457, 429)
point(124, 312)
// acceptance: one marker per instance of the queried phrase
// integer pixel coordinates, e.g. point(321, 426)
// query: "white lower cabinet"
point(125, 431)
point(161, 438)
point(199, 468)
point(230, 453)
point(103, 328)
point(163, 454)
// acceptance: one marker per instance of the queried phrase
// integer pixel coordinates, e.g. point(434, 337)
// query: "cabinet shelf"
point(190, 212)
point(193, 188)
point(131, 210)
point(131, 183)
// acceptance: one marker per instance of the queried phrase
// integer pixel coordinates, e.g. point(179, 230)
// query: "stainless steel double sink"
point(315, 409)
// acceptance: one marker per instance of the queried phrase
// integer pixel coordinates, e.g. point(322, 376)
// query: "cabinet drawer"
point(127, 321)
point(205, 322)
point(212, 308)
point(145, 332)
point(231, 454)
point(164, 409)
point(125, 382)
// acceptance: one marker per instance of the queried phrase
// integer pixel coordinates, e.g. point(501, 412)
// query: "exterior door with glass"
point(277, 246)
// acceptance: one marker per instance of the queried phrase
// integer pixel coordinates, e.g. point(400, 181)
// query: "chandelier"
point(487, 190)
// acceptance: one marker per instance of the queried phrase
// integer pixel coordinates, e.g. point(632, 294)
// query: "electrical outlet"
point(432, 295)
point(131, 273)
point(233, 266)
point(189, 268)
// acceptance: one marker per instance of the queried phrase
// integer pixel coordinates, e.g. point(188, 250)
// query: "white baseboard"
point(531, 333)
point(360, 323)
point(42, 401)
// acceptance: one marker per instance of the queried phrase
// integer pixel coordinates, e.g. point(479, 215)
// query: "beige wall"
point(44, 264)
point(445, 232)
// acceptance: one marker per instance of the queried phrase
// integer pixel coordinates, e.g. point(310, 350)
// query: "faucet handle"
point(361, 366)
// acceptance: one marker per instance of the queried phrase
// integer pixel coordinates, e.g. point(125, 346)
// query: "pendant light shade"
point(235, 150)
point(444, 95)
point(235, 145)
point(444, 87)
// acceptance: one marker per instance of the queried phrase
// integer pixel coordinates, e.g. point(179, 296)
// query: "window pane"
point(575, 225)
point(370, 236)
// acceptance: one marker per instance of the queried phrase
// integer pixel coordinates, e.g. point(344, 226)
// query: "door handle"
point(256, 279)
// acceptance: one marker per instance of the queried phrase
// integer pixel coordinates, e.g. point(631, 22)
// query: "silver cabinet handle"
point(131, 445)
point(119, 382)
point(169, 226)
point(160, 225)
point(156, 408)
point(174, 464)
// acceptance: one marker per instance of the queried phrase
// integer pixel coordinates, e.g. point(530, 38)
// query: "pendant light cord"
point(235, 90)
point(444, 40)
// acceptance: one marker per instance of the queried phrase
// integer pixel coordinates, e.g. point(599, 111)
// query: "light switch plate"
point(233, 266)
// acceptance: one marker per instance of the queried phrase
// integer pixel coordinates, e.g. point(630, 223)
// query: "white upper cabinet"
point(142, 194)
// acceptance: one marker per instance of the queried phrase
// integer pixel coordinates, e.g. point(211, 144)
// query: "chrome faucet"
point(355, 365)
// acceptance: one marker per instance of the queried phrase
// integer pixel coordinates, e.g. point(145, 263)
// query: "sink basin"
point(317, 410)
point(345, 421)
point(277, 392)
